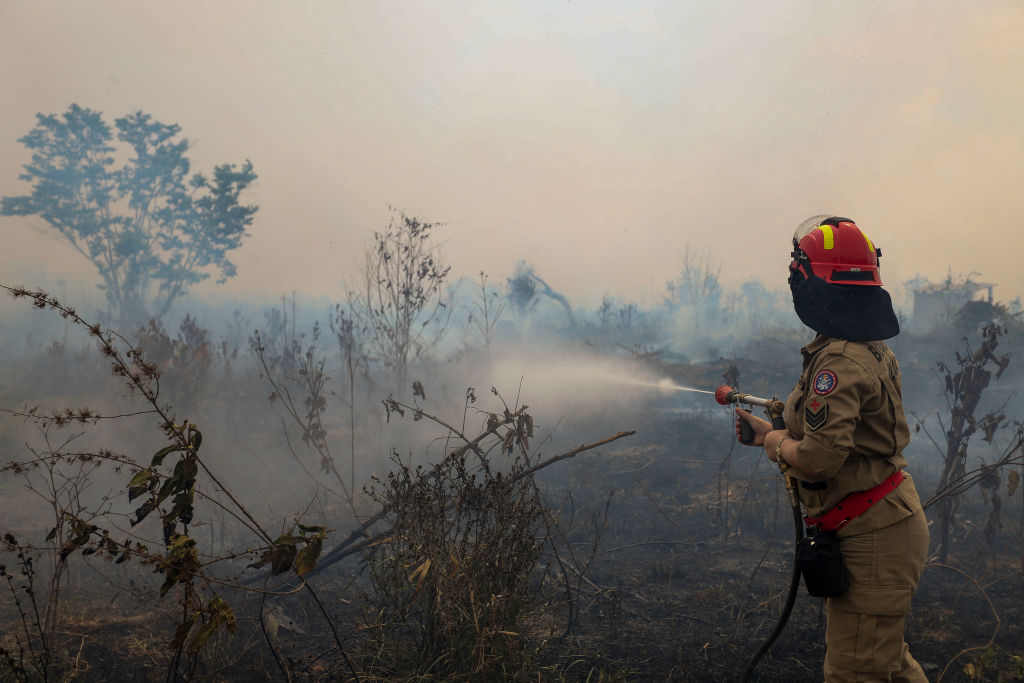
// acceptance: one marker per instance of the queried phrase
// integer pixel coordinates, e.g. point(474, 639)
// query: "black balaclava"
point(851, 312)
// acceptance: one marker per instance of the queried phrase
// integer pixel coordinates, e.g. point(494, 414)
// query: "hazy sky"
point(594, 139)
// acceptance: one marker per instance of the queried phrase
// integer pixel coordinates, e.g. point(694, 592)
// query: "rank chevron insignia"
point(815, 414)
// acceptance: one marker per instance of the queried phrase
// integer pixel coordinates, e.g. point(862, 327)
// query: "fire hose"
point(726, 395)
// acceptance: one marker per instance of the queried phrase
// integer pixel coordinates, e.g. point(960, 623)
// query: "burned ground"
point(663, 555)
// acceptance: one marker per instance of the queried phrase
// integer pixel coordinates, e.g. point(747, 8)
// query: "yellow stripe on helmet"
point(871, 247)
point(830, 240)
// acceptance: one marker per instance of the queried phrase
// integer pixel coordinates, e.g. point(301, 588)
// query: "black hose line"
point(794, 586)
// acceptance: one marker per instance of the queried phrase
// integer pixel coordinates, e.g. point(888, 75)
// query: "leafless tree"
point(697, 287)
point(484, 313)
point(964, 386)
point(350, 345)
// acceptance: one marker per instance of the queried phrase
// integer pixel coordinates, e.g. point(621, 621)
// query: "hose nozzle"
point(726, 395)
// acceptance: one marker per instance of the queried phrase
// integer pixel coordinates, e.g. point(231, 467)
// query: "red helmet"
point(835, 250)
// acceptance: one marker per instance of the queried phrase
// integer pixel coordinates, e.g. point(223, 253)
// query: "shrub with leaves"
point(167, 488)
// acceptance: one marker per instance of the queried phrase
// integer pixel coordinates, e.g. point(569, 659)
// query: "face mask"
point(851, 312)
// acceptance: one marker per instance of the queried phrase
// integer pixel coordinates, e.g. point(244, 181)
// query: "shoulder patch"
point(825, 382)
point(815, 414)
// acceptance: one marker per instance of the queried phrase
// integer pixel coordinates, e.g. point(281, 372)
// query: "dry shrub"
point(453, 578)
point(186, 360)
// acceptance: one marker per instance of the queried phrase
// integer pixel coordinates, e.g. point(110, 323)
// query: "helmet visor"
point(805, 228)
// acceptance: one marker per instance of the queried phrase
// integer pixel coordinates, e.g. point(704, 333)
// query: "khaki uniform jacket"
point(847, 411)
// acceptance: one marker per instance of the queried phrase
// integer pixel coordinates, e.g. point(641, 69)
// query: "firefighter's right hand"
point(760, 427)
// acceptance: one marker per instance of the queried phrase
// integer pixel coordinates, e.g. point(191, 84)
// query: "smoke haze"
point(596, 140)
point(639, 167)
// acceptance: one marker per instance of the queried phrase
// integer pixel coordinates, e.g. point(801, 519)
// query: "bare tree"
point(963, 390)
point(343, 325)
point(403, 300)
point(484, 313)
point(605, 310)
point(697, 287)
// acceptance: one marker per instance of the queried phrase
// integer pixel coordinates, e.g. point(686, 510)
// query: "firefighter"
point(846, 431)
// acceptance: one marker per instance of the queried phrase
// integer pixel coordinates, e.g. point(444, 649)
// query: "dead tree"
point(963, 389)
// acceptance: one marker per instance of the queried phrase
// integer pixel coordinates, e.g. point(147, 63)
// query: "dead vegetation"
point(495, 551)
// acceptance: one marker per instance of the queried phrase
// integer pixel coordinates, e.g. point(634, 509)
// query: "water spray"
point(666, 386)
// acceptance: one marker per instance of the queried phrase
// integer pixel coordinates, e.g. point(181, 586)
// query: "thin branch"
point(657, 507)
point(991, 606)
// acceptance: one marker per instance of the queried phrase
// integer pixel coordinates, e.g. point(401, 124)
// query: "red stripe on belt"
point(855, 504)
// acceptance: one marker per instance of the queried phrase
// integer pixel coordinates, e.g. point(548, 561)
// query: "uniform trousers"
point(865, 626)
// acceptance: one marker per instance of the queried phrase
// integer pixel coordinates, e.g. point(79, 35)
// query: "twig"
point(569, 454)
point(642, 543)
point(662, 512)
point(266, 634)
point(984, 594)
point(295, 456)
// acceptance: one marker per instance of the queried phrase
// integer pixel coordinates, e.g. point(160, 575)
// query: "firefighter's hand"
point(760, 427)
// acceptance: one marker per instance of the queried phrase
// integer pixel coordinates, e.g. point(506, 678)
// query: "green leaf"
point(181, 563)
point(203, 635)
point(53, 532)
point(181, 633)
point(281, 559)
point(82, 528)
point(143, 511)
point(284, 553)
point(139, 484)
point(72, 545)
point(288, 539)
point(195, 439)
point(171, 485)
point(222, 611)
point(221, 614)
point(158, 458)
point(305, 560)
